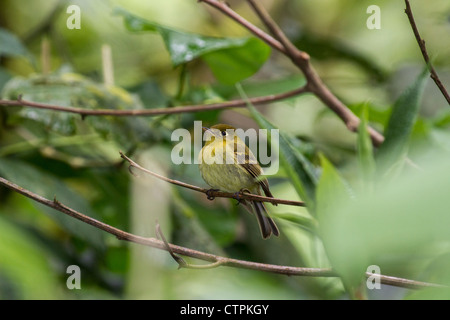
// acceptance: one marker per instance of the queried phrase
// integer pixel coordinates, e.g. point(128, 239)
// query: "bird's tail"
point(266, 224)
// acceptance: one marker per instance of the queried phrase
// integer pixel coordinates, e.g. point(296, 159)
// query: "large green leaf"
point(399, 128)
point(237, 63)
point(230, 59)
point(402, 227)
point(333, 192)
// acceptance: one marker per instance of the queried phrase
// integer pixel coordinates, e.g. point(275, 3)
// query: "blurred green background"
point(397, 219)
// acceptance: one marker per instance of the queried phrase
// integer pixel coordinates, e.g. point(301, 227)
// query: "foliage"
point(365, 206)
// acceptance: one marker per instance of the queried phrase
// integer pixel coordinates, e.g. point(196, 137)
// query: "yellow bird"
point(227, 164)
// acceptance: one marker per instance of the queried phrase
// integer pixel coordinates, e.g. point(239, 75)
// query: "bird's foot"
point(209, 196)
point(237, 195)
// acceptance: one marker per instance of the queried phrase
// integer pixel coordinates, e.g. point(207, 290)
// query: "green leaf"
point(235, 64)
point(299, 169)
point(377, 114)
point(399, 128)
point(365, 150)
point(334, 192)
point(230, 59)
point(26, 265)
point(402, 227)
point(305, 222)
point(10, 45)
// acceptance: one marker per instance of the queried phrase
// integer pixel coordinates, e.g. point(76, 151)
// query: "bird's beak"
point(205, 129)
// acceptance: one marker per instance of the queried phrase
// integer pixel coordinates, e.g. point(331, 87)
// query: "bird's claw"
point(237, 195)
point(209, 196)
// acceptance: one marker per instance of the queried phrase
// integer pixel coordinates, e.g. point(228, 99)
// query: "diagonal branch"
point(290, 48)
point(213, 259)
point(223, 7)
point(213, 193)
point(425, 55)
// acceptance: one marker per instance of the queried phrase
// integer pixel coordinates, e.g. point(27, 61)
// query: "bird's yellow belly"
point(226, 177)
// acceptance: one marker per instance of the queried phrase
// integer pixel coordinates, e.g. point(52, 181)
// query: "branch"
point(423, 49)
point(214, 193)
point(214, 260)
point(290, 49)
point(157, 111)
point(300, 59)
point(223, 7)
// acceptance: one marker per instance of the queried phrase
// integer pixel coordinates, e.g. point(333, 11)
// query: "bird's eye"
point(224, 133)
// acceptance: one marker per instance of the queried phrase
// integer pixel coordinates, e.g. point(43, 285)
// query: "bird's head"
point(219, 131)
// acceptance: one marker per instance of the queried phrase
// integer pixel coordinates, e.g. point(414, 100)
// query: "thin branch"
point(157, 111)
point(423, 49)
point(290, 48)
point(181, 262)
point(213, 193)
point(213, 259)
point(178, 259)
point(225, 9)
point(301, 60)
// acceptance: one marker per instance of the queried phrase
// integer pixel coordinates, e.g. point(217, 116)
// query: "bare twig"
point(300, 59)
point(289, 47)
point(181, 262)
point(425, 55)
point(157, 111)
point(178, 259)
point(225, 9)
point(214, 193)
point(214, 260)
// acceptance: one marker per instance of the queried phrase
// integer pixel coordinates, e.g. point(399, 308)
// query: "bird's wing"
point(248, 161)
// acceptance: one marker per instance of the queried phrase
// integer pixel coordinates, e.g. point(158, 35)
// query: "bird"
point(241, 173)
